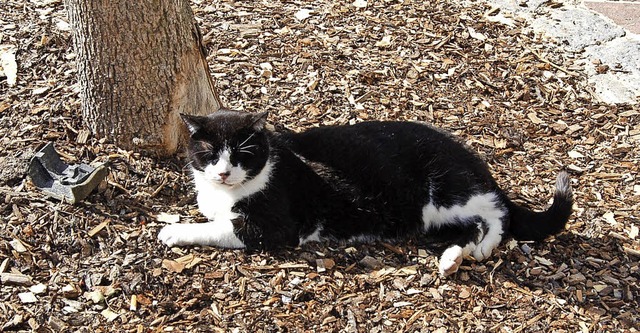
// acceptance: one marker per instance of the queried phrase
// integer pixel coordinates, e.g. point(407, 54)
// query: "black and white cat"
point(373, 180)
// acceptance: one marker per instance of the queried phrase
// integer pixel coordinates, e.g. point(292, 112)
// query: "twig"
point(118, 186)
point(543, 59)
point(630, 251)
point(160, 187)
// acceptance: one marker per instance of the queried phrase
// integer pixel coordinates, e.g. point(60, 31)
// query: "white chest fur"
point(216, 200)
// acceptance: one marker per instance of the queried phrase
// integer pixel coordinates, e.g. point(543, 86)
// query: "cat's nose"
point(224, 175)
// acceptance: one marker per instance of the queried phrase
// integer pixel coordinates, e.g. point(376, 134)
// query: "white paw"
point(450, 260)
point(175, 235)
point(485, 248)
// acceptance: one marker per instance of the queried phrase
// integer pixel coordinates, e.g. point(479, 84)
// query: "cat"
point(372, 180)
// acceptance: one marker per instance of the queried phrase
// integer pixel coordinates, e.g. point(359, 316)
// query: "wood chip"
point(133, 303)
point(38, 289)
point(98, 228)
point(324, 264)
point(168, 218)
point(15, 279)
point(18, 246)
point(83, 136)
point(518, 100)
point(109, 315)
point(27, 297)
point(70, 291)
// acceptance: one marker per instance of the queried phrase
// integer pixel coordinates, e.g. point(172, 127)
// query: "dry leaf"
point(406, 271)
point(384, 42)
point(95, 296)
point(629, 113)
point(133, 303)
point(285, 30)
point(610, 217)
point(575, 154)
point(324, 264)
point(39, 91)
point(15, 279)
point(173, 266)
point(401, 304)
point(18, 246)
point(476, 35)
point(412, 291)
point(189, 261)
point(109, 315)
point(435, 294)
point(38, 288)
point(107, 291)
point(70, 291)
point(543, 261)
point(633, 233)
point(303, 14)
point(499, 143)
point(534, 118)
point(168, 218)
point(360, 3)
point(62, 25)
point(499, 18)
point(464, 293)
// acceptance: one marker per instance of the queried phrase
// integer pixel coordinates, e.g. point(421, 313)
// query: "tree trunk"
point(140, 64)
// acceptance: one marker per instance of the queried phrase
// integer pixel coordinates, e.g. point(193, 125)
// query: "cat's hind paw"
point(450, 260)
point(484, 249)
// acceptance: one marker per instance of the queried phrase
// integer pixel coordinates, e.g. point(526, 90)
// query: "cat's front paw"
point(175, 235)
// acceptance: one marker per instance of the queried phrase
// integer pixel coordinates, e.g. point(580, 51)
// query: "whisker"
point(247, 147)
point(200, 153)
point(249, 138)
point(244, 188)
point(187, 165)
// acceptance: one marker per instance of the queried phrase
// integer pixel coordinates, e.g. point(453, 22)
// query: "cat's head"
point(228, 147)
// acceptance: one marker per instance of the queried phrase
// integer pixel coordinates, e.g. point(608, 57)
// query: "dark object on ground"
point(55, 178)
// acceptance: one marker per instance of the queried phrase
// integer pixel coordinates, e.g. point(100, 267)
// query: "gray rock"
point(621, 82)
point(371, 262)
point(577, 28)
point(576, 278)
point(590, 36)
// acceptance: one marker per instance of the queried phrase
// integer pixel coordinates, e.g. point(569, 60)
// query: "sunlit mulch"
point(97, 266)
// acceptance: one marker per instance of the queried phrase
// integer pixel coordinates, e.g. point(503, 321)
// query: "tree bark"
point(140, 64)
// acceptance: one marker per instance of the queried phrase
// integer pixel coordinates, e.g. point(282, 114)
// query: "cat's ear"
point(192, 122)
point(259, 120)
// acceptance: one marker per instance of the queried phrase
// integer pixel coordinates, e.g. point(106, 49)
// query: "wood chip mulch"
point(524, 106)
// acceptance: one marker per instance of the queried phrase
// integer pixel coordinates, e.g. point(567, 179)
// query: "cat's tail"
point(529, 225)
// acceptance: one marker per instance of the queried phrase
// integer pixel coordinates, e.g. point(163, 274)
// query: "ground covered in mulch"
point(524, 106)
